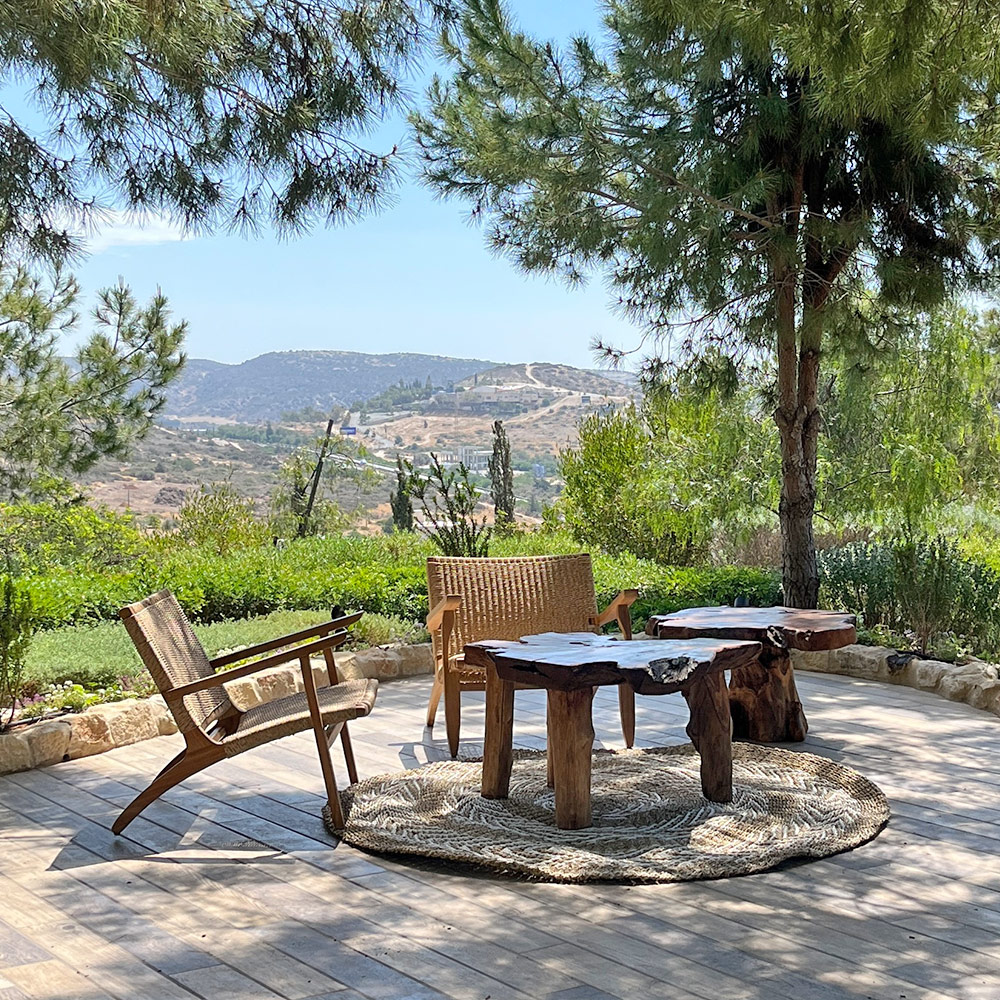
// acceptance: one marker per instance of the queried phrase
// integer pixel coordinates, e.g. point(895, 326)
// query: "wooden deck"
point(230, 889)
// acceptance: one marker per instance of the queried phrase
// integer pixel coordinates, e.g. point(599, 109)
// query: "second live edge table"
point(570, 665)
point(762, 695)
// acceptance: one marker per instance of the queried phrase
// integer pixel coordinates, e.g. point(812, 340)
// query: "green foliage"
point(448, 503)
point(501, 479)
point(220, 518)
point(913, 429)
point(17, 626)
point(62, 415)
point(213, 113)
point(291, 515)
point(38, 536)
point(663, 481)
point(924, 587)
point(399, 499)
point(397, 397)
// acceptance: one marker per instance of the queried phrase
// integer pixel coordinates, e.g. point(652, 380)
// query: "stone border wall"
point(119, 723)
point(975, 683)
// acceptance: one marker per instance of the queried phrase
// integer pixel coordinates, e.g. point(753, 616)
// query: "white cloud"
point(117, 228)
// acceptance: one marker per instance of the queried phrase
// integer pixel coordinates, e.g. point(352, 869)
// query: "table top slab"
point(788, 628)
point(572, 660)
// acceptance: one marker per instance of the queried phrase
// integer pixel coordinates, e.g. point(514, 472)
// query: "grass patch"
point(99, 655)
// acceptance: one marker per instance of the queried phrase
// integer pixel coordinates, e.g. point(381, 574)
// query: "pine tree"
point(61, 415)
point(744, 168)
point(232, 114)
point(501, 478)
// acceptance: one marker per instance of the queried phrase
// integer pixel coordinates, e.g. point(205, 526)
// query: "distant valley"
point(239, 423)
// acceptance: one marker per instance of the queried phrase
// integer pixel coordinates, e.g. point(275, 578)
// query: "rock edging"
point(975, 683)
point(120, 723)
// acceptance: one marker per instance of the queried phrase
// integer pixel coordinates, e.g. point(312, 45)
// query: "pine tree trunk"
point(798, 420)
point(799, 573)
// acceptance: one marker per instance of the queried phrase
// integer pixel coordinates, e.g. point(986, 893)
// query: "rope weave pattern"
point(511, 597)
point(173, 656)
point(651, 822)
point(284, 716)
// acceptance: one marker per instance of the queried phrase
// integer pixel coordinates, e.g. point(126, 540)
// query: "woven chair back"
point(173, 656)
point(508, 598)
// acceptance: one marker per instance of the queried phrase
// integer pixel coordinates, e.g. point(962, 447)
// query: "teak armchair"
point(212, 726)
point(474, 599)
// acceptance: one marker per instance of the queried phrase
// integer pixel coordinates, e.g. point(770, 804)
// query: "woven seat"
point(289, 715)
point(212, 726)
point(475, 599)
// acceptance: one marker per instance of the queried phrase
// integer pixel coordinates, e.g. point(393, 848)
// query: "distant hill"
point(548, 376)
point(265, 387)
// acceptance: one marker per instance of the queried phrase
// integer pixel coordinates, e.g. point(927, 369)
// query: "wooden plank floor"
point(230, 889)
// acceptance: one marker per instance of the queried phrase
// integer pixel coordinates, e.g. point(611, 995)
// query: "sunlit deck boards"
point(230, 889)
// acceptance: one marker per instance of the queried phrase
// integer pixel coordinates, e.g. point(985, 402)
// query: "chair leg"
point(181, 767)
point(432, 705)
point(626, 705)
point(345, 742)
point(329, 779)
point(452, 710)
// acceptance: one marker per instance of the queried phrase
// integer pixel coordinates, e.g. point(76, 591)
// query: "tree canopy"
point(227, 112)
point(744, 172)
point(59, 415)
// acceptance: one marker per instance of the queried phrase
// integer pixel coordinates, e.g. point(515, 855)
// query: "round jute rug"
point(651, 822)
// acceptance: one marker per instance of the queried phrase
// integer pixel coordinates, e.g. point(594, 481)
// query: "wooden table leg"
point(709, 729)
point(571, 742)
point(498, 744)
point(764, 701)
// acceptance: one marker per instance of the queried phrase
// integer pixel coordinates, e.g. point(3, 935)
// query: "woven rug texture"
point(651, 822)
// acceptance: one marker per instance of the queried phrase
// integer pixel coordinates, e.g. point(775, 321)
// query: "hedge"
point(374, 575)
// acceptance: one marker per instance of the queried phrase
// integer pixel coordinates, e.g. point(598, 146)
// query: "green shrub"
point(16, 629)
point(39, 536)
point(219, 518)
point(923, 587)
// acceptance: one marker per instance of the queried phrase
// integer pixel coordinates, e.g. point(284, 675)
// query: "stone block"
point(279, 682)
point(128, 721)
point(376, 662)
point(867, 662)
point(244, 693)
point(817, 661)
point(162, 715)
point(47, 741)
point(926, 674)
point(15, 754)
point(415, 659)
point(347, 666)
point(89, 734)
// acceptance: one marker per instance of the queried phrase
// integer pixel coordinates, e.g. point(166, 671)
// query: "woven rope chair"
point(474, 599)
point(212, 726)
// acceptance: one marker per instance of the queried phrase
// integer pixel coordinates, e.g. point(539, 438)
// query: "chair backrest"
point(511, 597)
point(173, 655)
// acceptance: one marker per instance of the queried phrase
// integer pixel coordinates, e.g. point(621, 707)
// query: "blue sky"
point(416, 277)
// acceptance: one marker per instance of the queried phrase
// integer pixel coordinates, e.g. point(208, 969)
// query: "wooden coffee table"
point(570, 665)
point(762, 695)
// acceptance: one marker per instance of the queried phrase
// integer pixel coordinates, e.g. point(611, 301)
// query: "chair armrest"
point(617, 610)
point(286, 640)
point(216, 680)
point(436, 616)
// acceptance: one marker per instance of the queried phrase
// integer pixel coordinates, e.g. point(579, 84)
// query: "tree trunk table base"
point(571, 666)
point(763, 700)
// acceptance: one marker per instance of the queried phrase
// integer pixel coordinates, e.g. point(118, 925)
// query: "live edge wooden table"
point(570, 665)
point(762, 695)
